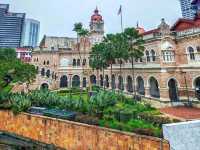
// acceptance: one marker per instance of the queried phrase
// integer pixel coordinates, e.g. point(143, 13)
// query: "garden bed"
point(105, 108)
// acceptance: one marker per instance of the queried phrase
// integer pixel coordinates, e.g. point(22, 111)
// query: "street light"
point(186, 86)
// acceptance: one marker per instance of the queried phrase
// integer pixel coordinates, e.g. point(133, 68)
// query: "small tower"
point(96, 27)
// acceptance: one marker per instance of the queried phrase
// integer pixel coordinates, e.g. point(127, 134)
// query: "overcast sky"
point(58, 16)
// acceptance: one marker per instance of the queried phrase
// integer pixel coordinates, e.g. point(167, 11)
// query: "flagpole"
point(122, 20)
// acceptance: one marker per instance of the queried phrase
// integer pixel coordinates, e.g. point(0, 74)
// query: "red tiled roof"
point(151, 31)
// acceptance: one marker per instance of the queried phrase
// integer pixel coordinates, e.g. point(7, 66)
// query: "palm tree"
point(97, 58)
point(109, 51)
point(135, 48)
point(121, 51)
point(77, 28)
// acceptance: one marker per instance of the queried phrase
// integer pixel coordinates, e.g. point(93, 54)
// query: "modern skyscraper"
point(11, 27)
point(186, 8)
point(31, 32)
point(196, 6)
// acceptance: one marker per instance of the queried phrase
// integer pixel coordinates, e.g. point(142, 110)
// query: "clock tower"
point(96, 27)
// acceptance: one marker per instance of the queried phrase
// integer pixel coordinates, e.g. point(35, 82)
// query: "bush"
point(20, 103)
point(100, 101)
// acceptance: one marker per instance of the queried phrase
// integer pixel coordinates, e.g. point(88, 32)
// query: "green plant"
point(20, 103)
point(100, 101)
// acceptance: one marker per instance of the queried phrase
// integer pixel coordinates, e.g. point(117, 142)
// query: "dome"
point(96, 16)
point(166, 46)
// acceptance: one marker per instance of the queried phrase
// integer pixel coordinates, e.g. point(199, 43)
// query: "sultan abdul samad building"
point(168, 72)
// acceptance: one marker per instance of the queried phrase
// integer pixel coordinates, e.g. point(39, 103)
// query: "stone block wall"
point(75, 136)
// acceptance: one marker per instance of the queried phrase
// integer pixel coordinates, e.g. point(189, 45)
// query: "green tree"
point(97, 59)
point(135, 48)
point(13, 70)
point(121, 50)
point(109, 51)
point(78, 28)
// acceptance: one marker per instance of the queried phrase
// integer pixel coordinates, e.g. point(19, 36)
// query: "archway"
point(84, 82)
point(101, 80)
point(63, 82)
point(113, 82)
point(120, 83)
point(43, 72)
point(48, 73)
point(44, 86)
point(107, 81)
point(76, 81)
point(140, 86)
point(129, 84)
point(197, 87)
point(93, 79)
point(173, 90)
point(154, 88)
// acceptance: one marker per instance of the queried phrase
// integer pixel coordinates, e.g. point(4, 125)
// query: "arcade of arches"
point(148, 87)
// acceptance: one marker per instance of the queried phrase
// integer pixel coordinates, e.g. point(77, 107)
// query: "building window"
point(44, 62)
point(191, 53)
point(78, 62)
point(48, 73)
point(147, 55)
point(168, 56)
point(74, 62)
point(47, 62)
point(153, 55)
point(84, 62)
point(52, 48)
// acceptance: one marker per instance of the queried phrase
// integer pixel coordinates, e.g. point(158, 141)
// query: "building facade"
point(168, 72)
point(31, 33)
point(11, 27)
point(186, 8)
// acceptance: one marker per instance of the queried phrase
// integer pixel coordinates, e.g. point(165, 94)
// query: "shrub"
point(100, 101)
point(20, 103)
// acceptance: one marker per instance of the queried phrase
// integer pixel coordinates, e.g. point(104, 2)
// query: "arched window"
point(93, 79)
point(153, 55)
point(76, 81)
point(154, 88)
point(43, 72)
point(47, 62)
point(113, 82)
point(120, 83)
point(191, 53)
point(84, 62)
point(129, 84)
point(74, 62)
point(147, 55)
point(84, 82)
point(44, 62)
point(107, 81)
point(168, 56)
point(63, 81)
point(78, 62)
point(140, 86)
point(48, 73)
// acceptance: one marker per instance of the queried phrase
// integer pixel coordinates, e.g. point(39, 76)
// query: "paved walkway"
point(182, 112)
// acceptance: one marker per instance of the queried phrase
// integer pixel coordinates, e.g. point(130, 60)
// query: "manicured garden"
point(104, 108)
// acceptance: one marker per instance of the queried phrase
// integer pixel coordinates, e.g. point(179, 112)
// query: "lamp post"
point(186, 87)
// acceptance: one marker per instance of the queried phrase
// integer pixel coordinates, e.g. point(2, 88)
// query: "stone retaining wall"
point(75, 136)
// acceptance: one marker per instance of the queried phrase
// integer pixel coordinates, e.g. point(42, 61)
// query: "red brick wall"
point(75, 136)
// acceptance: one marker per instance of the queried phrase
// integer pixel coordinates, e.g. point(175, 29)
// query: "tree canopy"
point(13, 70)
